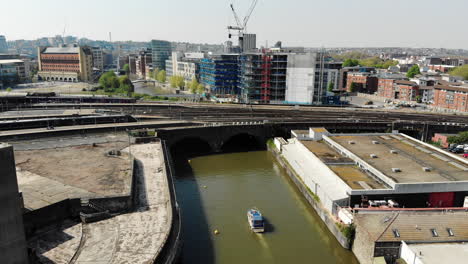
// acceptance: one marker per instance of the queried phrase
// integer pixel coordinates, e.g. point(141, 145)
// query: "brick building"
point(405, 90)
point(365, 82)
point(451, 97)
point(68, 63)
point(343, 79)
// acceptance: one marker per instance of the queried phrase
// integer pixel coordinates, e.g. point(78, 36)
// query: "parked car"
point(457, 150)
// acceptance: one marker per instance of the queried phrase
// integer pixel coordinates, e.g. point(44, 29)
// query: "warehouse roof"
point(405, 160)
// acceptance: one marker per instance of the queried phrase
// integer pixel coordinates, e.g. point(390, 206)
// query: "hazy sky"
point(312, 23)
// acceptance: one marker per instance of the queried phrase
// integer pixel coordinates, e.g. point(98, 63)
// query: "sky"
point(310, 23)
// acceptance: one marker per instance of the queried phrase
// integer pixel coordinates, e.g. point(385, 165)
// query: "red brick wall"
point(60, 62)
point(408, 92)
point(440, 138)
point(443, 98)
point(385, 88)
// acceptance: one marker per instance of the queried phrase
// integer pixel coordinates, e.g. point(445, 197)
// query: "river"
point(217, 192)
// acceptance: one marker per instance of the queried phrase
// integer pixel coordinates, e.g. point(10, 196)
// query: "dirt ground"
point(84, 166)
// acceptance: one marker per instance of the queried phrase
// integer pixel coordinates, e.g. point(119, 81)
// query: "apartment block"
point(451, 97)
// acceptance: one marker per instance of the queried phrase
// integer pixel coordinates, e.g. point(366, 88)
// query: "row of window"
point(434, 232)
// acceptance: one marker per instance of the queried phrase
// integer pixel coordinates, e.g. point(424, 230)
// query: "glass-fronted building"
point(161, 51)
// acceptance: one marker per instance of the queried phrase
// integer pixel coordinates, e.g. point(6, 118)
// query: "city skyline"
point(304, 23)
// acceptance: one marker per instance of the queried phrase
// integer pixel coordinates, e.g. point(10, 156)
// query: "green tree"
point(161, 76)
point(413, 71)
point(419, 99)
point(350, 63)
point(200, 89)
point(461, 71)
point(193, 85)
point(8, 89)
point(126, 85)
point(352, 87)
point(126, 68)
point(461, 138)
point(177, 81)
point(109, 81)
point(330, 87)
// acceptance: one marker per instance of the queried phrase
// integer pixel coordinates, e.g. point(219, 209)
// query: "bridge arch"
point(242, 141)
point(191, 146)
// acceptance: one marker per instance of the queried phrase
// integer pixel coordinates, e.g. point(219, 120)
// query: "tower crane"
point(241, 27)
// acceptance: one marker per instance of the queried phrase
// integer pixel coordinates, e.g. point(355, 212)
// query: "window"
point(450, 232)
point(434, 232)
point(396, 233)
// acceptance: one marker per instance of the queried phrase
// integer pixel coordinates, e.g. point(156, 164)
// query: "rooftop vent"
point(426, 169)
point(396, 233)
point(375, 142)
point(373, 156)
point(396, 169)
point(434, 232)
point(394, 151)
point(351, 142)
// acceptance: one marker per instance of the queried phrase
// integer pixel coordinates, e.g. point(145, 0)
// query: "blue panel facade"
point(220, 74)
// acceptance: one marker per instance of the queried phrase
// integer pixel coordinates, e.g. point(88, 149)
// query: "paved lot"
point(136, 237)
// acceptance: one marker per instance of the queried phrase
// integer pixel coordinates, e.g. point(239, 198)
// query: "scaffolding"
point(220, 74)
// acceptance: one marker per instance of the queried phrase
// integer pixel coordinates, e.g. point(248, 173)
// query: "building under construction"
point(220, 74)
point(263, 77)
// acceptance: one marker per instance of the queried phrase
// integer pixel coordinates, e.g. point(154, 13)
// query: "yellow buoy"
point(216, 232)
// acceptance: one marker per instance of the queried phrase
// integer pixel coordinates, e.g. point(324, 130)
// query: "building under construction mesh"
point(220, 74)
point(263, 77)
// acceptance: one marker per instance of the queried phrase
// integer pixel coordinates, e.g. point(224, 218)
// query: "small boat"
point(256, 222)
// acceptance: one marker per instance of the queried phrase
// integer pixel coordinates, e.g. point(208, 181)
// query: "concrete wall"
point(300, 78)
point(408, 255)
point(363, 246)
point(12, 238)
point(50, 215)
point(319, 209)
point(317, 176)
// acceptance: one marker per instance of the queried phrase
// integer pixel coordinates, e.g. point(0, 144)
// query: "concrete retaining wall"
point(322, 212)
point(50, 215)
point(171, 250)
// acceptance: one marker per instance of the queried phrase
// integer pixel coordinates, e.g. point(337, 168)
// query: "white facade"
point(175, 65)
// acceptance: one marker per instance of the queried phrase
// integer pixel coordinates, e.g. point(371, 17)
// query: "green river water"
point(216, 194)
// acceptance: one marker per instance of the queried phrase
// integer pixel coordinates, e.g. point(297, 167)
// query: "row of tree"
point(370, 62)
point(461, 138)
point(461, 71)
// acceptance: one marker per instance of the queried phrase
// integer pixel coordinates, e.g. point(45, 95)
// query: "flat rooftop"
point(409, 156)
point(342, 166)
point(436, 253)
point(51, 171)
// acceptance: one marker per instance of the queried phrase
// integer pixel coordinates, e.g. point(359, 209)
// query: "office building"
point(308, 77)
point(186, 65)
point(3, 44)
point(68, 63)
point(143, 63)
point(98, 58)
point(12, 71)
point(161, 50)
point(220, 75)
point(263, 77)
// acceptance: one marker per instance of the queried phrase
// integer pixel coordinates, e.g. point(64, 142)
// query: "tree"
point(350, 63)
point(200, 89)
point(126, 85)
point(330, 87)
point(109, 81)
point(126, 68)
point(352, 87)
point(461, 71)
point(461, 138)
point(8, 89)
point(177, 81)
point(161, 76)
point(193, 85)
point(413, 71)
point(418, 98)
